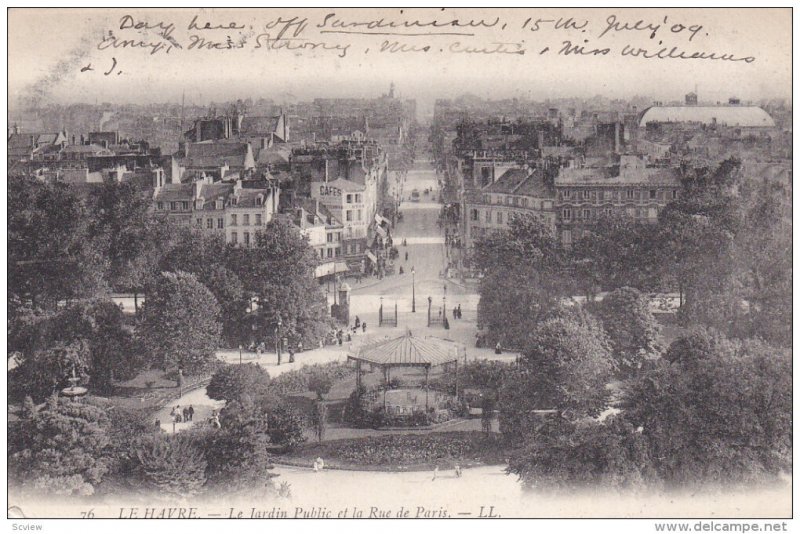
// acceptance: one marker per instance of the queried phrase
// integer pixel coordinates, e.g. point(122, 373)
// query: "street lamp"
point(413, 291)
point(278, 339)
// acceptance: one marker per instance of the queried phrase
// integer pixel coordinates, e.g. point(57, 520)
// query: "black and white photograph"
point(399, 263)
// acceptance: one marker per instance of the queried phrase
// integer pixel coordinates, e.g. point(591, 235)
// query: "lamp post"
point(278, 340)
point(413, 291)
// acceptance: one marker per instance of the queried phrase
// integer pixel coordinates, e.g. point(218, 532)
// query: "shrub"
point(171, 464)
point(233, 382)
point(286, 426)
point(320, 383)
point(298, 381)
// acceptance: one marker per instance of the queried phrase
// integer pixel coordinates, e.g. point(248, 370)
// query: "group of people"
point(342, 335)
point(457, 312)
point(182, 416)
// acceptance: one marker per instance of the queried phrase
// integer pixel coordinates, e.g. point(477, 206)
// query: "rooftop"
point(408, 350)
point(745, 116)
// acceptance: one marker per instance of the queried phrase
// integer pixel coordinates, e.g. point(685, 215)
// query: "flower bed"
point(394, 451)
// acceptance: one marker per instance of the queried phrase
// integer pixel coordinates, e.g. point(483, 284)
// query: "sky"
point(49, 48)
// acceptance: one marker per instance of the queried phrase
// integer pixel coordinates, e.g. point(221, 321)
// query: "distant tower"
point(691, 99)
point(391, 90)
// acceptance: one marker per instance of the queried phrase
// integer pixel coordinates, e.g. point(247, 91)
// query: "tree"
point(206, 257)
point(171, 464)
point(565, 366)
point(45, 372)
point(320, 383)
point(233, 382)
point(320, 420)
point(279, 271)
point(96, 326)
point(716, 411)
point(51, 256)
point(180, 323)
point(619, 251)
point(586, 454)
point(631, 328)
point(61, 448)
point(523, 279)
point(122, 225)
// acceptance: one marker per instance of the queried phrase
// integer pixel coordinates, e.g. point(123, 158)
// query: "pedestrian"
point(191, 412)
point(458, 471)
point(299, 346)
point(498, 349)
point(406, 255)
point(455, 312)
point(459, 311)
point(186, 414)
point(358, 321)
point(291, 355)
point(435, 473)
point(364, 326)
point(158, 423)
point(172, 413)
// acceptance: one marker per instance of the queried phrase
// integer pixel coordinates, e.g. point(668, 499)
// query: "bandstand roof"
point(408, 350)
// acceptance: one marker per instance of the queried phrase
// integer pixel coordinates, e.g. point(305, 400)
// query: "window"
point(210, 223)
point(337, 252)
point(601, 195)
point(185, 205)
point(173, 206)
point(499, 217)
point(607, 212)
point(674, 194)
point(488, 216)
point(199, 222)
point(338, 236)
point(586, 194)
point(322, 253)
point(330, 252)
point(653, 194)
point(566, 214)
point(349, 215)
point(349, 199)
point(220, 204)
point(566, 237)
point(247, 238)
point(259, 200)
point(509, 201)
point(161, 204)
point(220, 223)
point(234, 238)
point(474, 215)
point(258, 219)
point(233, 220)
point(246, 219)
point(629, 194)
point(652, 213)
point(358, 198)
point(355, 248)
point(330, 237)
point(631, 212)
point(587, 214)
point(358, 215)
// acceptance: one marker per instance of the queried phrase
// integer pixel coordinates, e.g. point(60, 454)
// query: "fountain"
point(74, 391)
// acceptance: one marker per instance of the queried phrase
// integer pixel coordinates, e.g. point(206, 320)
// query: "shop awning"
point(330, 268)
point(380, 219)
point(380, 231)
point(372, 257)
